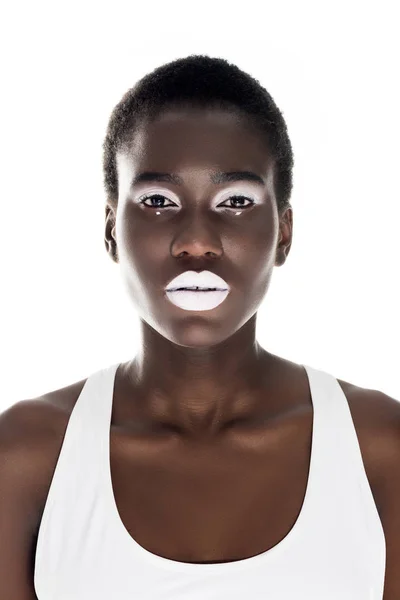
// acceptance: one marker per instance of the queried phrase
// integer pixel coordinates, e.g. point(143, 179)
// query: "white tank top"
point(336, 549)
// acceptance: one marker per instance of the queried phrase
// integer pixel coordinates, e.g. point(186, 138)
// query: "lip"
point(197, 301)
point(205, 279)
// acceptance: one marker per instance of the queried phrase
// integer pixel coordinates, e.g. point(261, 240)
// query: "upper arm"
point(18, 506)
point(390, 494)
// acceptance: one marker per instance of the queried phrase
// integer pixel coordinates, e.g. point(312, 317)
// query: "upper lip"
point(204, 279)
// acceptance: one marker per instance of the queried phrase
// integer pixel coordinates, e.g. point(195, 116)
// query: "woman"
point(206, 466)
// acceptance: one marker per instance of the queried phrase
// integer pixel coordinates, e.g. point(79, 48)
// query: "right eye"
point(151, 196)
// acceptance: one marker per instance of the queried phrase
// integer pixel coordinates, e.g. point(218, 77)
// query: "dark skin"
point(201, 377)
point(216, 348)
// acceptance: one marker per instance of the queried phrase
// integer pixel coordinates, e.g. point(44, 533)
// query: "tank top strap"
point(89, 422)
point(342, 470)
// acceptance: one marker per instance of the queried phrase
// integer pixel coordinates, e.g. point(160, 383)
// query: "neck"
point(199, 390)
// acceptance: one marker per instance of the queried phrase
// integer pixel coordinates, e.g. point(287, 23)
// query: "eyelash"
point(146, 197)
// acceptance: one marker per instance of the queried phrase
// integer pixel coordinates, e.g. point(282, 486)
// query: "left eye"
point(241, 198)
point(161, 197)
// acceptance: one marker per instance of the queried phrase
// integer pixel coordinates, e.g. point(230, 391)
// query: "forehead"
point(197, 138)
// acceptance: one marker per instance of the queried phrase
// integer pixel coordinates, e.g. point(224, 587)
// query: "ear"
point(110, 240)
point(285, 236)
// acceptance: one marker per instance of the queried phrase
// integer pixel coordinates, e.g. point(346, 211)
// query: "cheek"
point(142, 254)
point(255, 248)
point(258, 267)
point(135, 237)
point(255, 261)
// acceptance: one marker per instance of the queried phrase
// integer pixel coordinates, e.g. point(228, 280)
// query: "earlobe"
point(281, 255)
point(112, 250)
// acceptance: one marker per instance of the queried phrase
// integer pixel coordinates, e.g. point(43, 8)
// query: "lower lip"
point(191, 300)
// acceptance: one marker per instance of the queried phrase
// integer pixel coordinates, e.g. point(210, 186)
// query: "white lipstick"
point(208, 290)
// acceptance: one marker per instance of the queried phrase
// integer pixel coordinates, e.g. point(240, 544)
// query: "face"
point(194, 221)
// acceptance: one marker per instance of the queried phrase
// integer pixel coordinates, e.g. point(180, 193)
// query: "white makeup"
point(126, 172)
point(222, 197)
point(197, 300)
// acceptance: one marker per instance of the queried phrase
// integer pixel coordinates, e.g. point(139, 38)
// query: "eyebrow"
point(216, 177)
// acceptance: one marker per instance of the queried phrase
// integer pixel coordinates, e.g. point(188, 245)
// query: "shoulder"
point(376, 413)
point(29, 426)
point(32, 422)
point(376, 418)
point(31, 436)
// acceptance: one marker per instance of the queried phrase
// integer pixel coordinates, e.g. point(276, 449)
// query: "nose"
point(197, 239)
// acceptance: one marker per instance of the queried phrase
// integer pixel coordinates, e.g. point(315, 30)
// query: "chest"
point(215, 502)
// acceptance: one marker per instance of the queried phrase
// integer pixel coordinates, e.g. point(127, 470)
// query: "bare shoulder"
point(376, 416)
point(31, 436)
point(30, 423)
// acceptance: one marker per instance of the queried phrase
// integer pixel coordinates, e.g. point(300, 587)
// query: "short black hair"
point(204, 81)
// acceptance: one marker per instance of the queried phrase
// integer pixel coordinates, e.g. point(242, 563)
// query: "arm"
point(390, 494)
point(18, 511)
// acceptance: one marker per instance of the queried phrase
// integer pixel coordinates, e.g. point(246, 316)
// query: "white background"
point(332, 69)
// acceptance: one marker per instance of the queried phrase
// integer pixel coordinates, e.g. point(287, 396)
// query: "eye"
point(150, 197)
point(160, 198)
point(240, 197)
